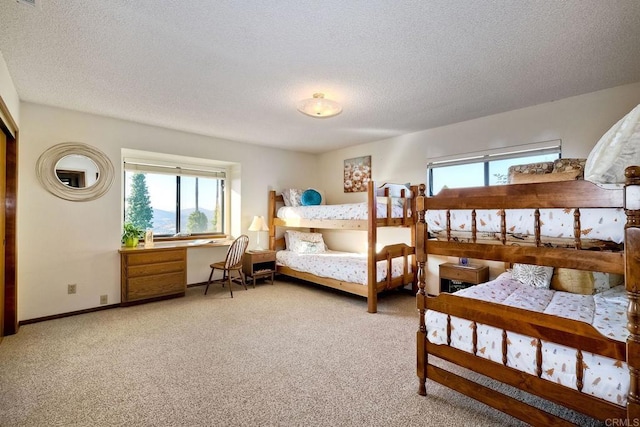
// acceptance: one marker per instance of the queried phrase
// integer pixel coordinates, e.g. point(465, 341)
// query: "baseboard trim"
point(193, 285)
point(68, 314)
point(102, 307)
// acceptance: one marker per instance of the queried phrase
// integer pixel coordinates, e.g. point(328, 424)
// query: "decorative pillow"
point(605, 281)
point(584, 282)
point(565, 165)
point(528, 169)
point(618, 148)
point(528, 178)
point(537, 276)
point(292, 196)
point(310, 197)
point(305, 243)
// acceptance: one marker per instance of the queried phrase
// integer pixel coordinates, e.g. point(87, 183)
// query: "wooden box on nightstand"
point(454, 277)
point(257, 264)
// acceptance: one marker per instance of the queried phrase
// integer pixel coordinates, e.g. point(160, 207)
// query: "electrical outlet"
point(71, 288)
point(104, 299)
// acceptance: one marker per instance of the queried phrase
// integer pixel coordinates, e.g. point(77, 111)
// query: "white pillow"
point(617, 149)
point(292, 196)
point(537, 276)
point(305, 243)
point(606, 281)
point(395, 190)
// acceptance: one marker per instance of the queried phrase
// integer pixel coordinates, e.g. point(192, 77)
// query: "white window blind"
point(513, 152)
point(142, 166)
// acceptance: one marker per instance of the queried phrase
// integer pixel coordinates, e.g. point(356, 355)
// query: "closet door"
point(3, 188)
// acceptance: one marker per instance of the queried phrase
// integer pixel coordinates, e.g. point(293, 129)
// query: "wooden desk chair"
point(232, 262)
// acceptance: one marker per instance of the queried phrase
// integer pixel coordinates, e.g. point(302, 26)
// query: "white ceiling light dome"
point(319, 106)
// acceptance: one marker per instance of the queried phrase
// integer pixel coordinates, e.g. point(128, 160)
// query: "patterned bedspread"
point(345, 266)
point(603, 377)
point(345, 211)
point(598, 224)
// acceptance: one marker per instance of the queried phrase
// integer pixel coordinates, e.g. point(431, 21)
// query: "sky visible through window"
point(472, 174)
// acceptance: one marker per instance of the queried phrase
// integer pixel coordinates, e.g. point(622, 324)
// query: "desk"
point(147, 274)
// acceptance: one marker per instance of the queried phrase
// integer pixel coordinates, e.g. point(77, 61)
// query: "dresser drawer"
point(151, 269)
point(151, 257)
point(257, 257)
point(156, 285)
point(459, 274)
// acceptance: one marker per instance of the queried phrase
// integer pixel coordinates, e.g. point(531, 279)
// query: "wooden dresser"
point(155, 273)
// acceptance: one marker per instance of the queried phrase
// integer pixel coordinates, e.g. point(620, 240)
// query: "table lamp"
point(258, 225)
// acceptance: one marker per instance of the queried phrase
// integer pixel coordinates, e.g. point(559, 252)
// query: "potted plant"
point(131, 235)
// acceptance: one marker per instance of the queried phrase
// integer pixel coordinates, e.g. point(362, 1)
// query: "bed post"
point(421, 260)
point(414, 220)
point(632, 276)
point(372, 286)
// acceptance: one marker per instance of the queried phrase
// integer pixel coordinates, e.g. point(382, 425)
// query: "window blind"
point(534, 149)
point(142, 166)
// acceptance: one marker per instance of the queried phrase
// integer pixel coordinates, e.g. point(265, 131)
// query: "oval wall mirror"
point(75, 171)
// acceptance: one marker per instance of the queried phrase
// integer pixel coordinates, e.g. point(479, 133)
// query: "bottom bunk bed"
point(304, 255)
point(345, 271)
point(578, 351)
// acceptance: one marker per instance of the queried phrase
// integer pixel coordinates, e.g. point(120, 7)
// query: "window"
point(489, 168)
point(174, 200)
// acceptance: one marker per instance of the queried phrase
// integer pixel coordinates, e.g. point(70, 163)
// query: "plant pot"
point(131, 242)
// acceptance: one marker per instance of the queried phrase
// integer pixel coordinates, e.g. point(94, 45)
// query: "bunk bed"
point(454, 327)
point(388, 206)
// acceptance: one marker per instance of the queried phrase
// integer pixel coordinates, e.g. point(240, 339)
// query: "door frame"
point(9, 127)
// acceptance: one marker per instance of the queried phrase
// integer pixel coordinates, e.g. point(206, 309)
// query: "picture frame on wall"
point(357, 174)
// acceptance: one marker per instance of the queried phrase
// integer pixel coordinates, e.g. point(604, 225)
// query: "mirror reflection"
point(77, 171)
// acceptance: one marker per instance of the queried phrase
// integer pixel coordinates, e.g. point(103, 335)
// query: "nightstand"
point(454, 277)
point(257, 264)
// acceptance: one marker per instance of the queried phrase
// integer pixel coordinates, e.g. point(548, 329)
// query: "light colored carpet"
point(290, 354)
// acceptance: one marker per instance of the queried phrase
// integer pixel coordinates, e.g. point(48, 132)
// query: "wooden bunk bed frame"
point(371, 224)
point(581, 336)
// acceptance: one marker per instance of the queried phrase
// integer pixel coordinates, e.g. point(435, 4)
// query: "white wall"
point(578, 121)
point(62, 242)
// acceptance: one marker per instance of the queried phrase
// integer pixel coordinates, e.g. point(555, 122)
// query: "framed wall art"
point(357, 174)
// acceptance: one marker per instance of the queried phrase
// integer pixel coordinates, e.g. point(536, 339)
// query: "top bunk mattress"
point(602, 224)
point(349, 211)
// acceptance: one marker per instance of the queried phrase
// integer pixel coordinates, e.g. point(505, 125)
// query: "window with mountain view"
point(175, 203)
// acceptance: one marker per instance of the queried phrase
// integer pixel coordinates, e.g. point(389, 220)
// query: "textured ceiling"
point(236, 69)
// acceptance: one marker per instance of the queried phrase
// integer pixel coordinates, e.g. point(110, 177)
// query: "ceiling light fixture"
point(319, 107)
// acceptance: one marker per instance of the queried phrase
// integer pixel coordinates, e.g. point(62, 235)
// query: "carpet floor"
point(288, 354)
